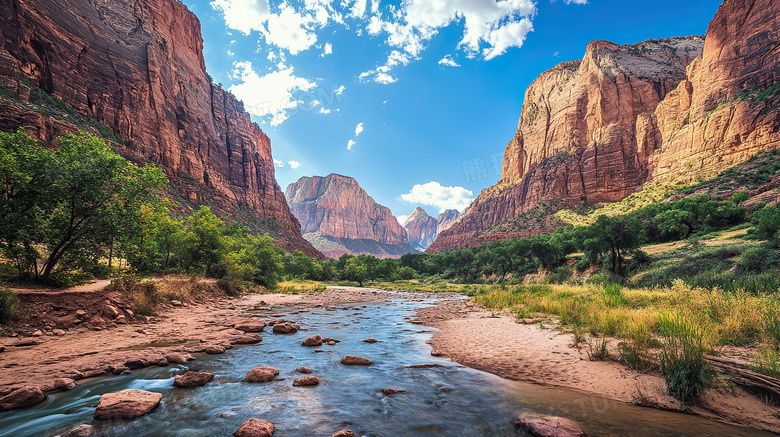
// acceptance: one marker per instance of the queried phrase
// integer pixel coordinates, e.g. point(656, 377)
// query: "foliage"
point(684, 366)
point(8, 302)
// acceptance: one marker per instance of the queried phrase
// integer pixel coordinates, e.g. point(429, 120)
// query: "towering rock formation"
point(446, 220)
point(421, 229)
point(598, 129)
point(338, 217)
point(138, 68)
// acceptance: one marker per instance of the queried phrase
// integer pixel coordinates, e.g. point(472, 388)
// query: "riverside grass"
point(678, 325)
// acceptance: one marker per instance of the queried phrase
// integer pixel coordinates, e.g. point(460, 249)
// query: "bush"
point(684, 367)
point(8, 302)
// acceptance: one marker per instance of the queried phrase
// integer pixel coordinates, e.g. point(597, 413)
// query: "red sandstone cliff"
point(337, 216)
point(598, 129)
point(421, 229)
point(138, 68)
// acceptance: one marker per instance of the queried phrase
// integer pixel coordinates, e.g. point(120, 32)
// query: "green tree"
point(258, 261)
point(612, 238)
point(355, 270)
point(202, 242)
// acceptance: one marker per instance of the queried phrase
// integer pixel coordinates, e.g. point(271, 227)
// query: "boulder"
point(344, 433)
point(117, 368)
point(250, 338)
point(58, 332)
point(286, 328)
point(192, 379)
point(353, 360)
point(312, 341)
point(110, 312)
point(126, 404)
point(255, 428)
point(261, 374)
point(304, 369)
point(330, 340)
point(252, 326)
point(80, 431)
point(549, 426)
point(306, 381)
point(59, 384)
point(136, 363)
point(22, 397)
point(370, 340)
point(178, 358)
point(214, 349)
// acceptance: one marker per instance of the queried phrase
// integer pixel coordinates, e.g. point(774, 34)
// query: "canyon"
point(137, 68)
point(423, 229)
point(338, 217)
point(660, 111)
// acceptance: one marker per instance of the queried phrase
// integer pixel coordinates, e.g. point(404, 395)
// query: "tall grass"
point(684, 365)
point(8, 302)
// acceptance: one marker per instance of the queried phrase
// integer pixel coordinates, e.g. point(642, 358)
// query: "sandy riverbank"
point(498, 344)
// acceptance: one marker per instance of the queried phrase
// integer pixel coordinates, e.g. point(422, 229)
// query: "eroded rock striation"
point(337, 216)
point(137, 68)
point(598, 129)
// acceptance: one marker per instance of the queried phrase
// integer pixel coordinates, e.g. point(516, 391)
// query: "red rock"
point(391, 391)
point(255, 428)
point(214, 349)
point(80, 431)
point(335, 212)
point(136, 363)
point(253, 326)
point(251, 338)
point(330, 340)
point(110, 312)
point(286, 328)
point(306, 381)
point(549, 426)
point(370, 340)
point(597, 130)
point(58, 332)
point(21, 398)
point(315, 340)
point(192, 379)
point(58, 384)
point(353, 360)
point(178, 358)
point(143, 75)
point(261, 374)
point(126, 404)
point(304, 369)
point(344, 433)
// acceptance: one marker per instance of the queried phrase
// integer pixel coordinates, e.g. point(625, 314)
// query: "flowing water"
point(448, 400)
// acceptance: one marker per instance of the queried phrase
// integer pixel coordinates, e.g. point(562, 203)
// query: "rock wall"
point(597, 130)
point(138, 68)
point(337, 216)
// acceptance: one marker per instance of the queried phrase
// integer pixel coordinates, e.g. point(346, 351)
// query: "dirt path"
point(98, 285)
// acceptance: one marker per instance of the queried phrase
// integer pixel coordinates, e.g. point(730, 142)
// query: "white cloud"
point(381, 73)
point(294, 164)
point(448, 61)
point(350, 143)
point(272, 96)
point(278, 162)
point(576, 2)
point(289, 30)
point(340, 90)
point(358, 128)
point(434, 194)
point(243, 15)
point(358, 9)
point(327, 50)
point(324, 111)
point(402, 219)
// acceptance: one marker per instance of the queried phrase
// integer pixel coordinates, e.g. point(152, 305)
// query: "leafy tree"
point(355, 270)
point(767, 221)
point(258, 261)
point(612, 238)
point(202, 242)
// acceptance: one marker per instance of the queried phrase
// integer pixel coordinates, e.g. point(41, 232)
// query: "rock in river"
point(312, 341)
point(286, 328)
point(549, 426)
point(353, 360)
point(80, 431)
point(344, 433)
point(261, 374)
point(126, 404)
point(306, 381)
point(192, 379)
point(255, 428)
point(23, 397)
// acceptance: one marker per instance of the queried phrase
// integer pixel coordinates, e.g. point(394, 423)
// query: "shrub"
point(8, 302)
point(684, 367)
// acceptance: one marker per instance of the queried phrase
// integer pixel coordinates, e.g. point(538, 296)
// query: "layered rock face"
point(337, 216)
point(138, 68)
point(598, 129)
point(446, 220)
point(421, 229)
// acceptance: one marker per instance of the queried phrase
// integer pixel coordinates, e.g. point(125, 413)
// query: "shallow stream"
point(448, 400)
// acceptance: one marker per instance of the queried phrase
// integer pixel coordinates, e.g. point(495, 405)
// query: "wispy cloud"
point(294, 164)
point(448, 61)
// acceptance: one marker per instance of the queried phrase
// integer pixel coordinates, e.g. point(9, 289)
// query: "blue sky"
point(415, 99)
